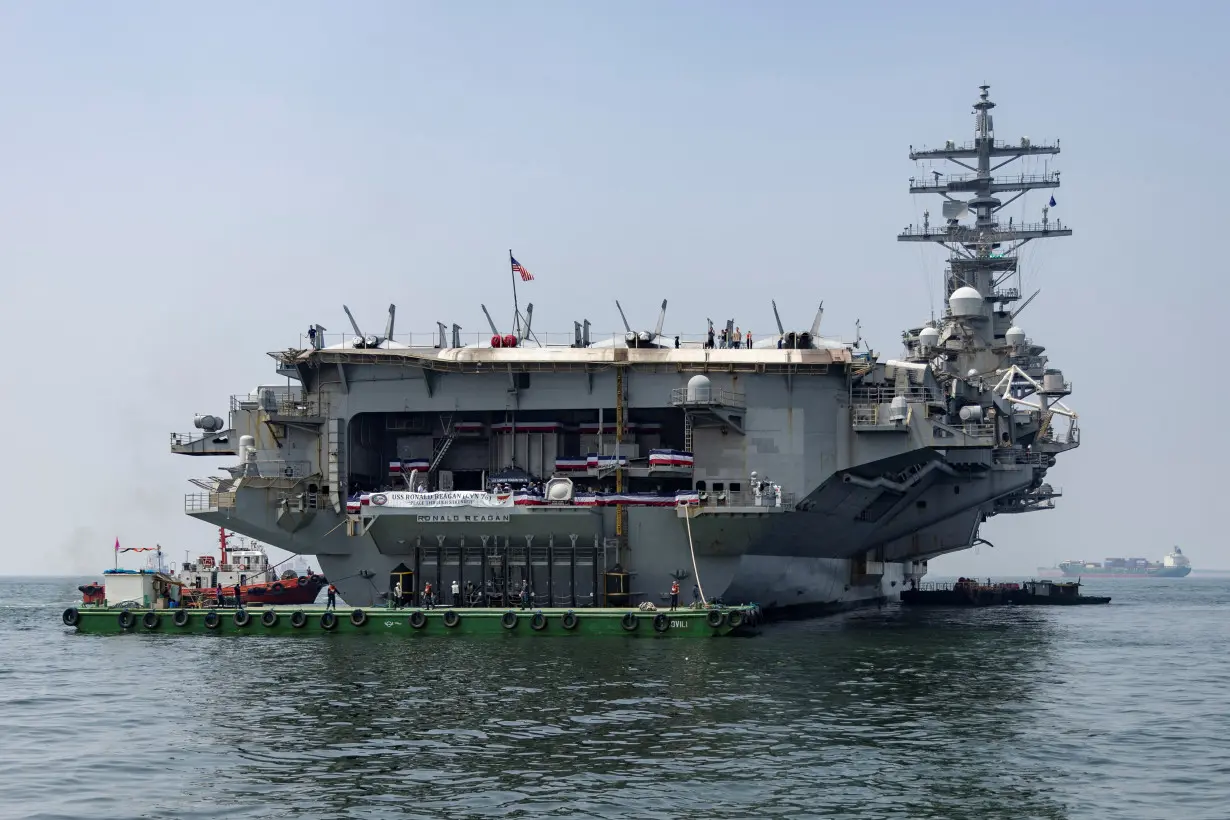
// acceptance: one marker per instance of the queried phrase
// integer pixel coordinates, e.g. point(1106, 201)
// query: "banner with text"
point(442, 499)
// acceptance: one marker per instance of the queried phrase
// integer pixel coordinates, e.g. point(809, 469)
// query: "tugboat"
point(246, 566)
point(1054, 593)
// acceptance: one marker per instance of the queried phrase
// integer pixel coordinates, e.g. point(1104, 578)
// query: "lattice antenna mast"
point(984, 254)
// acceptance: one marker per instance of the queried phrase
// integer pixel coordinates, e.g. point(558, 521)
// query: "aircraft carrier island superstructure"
point(800, 474)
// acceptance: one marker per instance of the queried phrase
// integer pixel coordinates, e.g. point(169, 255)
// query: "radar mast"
point(985, 254)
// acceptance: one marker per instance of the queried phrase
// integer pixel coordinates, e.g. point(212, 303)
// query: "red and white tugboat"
point(247, 566)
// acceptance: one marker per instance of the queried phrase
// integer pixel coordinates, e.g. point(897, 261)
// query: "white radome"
point(965, 301)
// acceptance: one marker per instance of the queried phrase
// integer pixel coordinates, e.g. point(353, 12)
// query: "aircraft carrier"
point(802, 473)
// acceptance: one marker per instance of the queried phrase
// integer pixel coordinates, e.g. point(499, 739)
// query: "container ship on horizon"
point(1174, 565)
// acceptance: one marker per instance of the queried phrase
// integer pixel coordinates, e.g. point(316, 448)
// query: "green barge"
point(684, 623)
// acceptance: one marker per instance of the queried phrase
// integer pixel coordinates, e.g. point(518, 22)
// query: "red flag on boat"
point(117, 543)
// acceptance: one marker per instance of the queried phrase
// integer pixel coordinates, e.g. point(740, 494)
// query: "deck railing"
point(714, 396)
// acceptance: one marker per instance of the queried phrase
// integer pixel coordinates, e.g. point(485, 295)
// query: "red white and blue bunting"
point(671, 458)
point(356, 503)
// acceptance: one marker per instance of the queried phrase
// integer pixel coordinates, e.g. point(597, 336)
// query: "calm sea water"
point(1087, 712)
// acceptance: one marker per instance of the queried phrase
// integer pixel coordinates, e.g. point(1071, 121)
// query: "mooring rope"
point(687, 517)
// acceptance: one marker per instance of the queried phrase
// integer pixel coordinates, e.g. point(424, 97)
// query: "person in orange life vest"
point(427, 602)
point(331, 601)
point(674, 595)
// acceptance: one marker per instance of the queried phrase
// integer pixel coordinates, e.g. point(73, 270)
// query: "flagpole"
point(516, 307)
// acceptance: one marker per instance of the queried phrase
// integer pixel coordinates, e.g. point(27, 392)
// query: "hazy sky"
point(186, 187)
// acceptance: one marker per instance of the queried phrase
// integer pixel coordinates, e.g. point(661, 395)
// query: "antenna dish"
point(954, 209)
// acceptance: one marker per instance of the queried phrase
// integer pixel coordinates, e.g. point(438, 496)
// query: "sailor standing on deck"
point(456, 594)
point(238, 598)
point(397, 594)
point(331, 601)
point(674, 594)
point(218, 593)
point(427, 602)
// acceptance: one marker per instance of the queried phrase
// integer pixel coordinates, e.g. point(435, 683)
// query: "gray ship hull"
point(784, 560)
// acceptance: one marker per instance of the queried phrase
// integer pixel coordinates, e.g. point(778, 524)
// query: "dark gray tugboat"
point(1054, 593)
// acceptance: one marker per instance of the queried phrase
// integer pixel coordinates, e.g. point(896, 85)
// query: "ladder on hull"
point(450, 433)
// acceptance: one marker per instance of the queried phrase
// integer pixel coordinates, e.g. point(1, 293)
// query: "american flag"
point(517, 267)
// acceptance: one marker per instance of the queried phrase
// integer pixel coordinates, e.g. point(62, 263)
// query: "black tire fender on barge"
point(150, 620)
point(328, 620)
point(629, 622)
point(451, 618)
point(277, 588)
point(509, 620)
point(736, 620)
point(358, 617)
point(569, 621)
point(661, 622)
point(71, 616)
point(126, 619)
point(212, 619)
point(716, 618)
point(269, 618)
point(180, 618)
point(241, 617)
point(418, 620)
point(298, 619)
point(538, 622)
